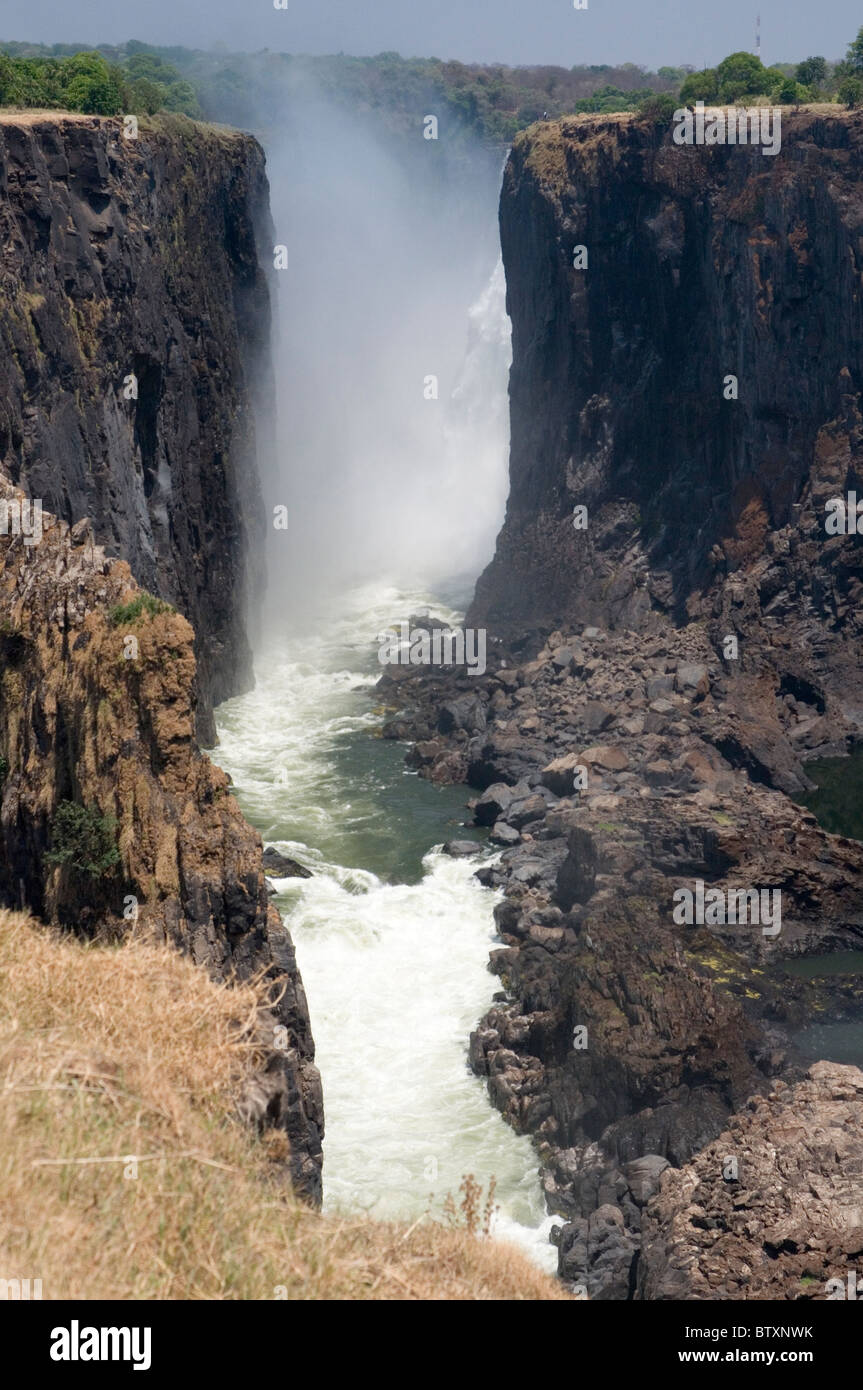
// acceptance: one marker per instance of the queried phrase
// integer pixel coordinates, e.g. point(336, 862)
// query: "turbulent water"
point(392, 935)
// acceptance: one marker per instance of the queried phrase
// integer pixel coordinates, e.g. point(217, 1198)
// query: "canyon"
point(653, 688)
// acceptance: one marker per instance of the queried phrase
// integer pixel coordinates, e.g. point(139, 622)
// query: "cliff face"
point(141, 256)
point(624, 749)
point(97, 709)
point(138, 258)
point(703, 262)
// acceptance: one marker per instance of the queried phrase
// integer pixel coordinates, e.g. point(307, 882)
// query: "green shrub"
point(660, 108)
point(123, 613)
point(850, 91)
point(811, 72)
point(790, 93)
point(700, 86)
point(83, 840)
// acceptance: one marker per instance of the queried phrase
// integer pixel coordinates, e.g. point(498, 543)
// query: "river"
point(392, 935)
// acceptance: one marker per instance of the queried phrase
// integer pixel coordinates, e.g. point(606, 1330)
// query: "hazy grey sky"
point(510, 31)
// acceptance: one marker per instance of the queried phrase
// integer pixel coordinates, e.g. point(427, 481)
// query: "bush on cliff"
point(700, 86)
point(123, 613)
point(110, 1053)
point(83, 840)
point(659, 108)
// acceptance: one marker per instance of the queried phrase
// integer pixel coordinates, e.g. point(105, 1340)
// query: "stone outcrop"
point(142, 256)
point(773, 1208)
point(97, 711)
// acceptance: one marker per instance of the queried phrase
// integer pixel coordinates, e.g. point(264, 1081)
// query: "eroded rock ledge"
point(683, 1024)
point(83, 722)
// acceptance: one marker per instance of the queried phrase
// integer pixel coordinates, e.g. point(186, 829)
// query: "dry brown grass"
point(111, 1052)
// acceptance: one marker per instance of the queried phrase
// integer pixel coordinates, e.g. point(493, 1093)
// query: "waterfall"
point(476, 433)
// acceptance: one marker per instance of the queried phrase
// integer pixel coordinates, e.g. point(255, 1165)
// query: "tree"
point(739, 75)
point(143, 97)
point(790, 93)
point(700, 86)
point(811, 72)
point(7, 80)
point(850, 91)
point(854, 56)
point(659, 107)
point(91, 85)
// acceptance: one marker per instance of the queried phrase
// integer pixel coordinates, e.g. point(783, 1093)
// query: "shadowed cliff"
point(141, 257)
point(703, 262)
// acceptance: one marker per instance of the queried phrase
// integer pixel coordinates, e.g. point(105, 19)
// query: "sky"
point(650, 32)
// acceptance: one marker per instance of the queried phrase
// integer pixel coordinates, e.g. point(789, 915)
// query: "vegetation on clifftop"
point(490, 101)
point(141, 83)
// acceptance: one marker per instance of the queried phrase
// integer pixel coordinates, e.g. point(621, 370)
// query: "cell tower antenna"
point(758, 36)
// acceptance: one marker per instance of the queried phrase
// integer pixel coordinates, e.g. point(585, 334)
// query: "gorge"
point(616, 747)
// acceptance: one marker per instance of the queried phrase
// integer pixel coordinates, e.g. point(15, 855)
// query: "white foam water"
point(392, 935)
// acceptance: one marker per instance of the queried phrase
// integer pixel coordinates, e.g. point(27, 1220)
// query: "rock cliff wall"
point(123, 614)
point(659, 680)
point(97, 712)
point(141, 256)
point(703, 263)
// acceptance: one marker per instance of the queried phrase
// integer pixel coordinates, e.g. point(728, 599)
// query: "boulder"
point(278, 865)
point(612, 758)
point(596, 716)
point(529, 808)
point(692, 679)
point(466, 712)
point(494, 802)
point(559, 775)
point(642, 1176)
point(658, 686)
point(563, 659)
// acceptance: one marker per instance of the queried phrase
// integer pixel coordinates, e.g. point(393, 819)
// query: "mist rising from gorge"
point(393, 277)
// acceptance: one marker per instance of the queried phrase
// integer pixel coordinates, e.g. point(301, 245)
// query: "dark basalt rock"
point(142, 257)
point(279, 865)
point(770, 1209)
